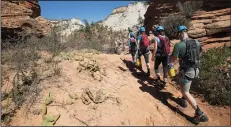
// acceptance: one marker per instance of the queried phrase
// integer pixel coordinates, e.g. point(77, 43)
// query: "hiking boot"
point(200, 118)
point(183, 103)
point(164, 85)
point(158, 77)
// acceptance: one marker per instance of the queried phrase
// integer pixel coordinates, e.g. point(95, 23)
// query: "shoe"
point(158, 77)
point(183, 103)
point(164, 85)
point(200, 118)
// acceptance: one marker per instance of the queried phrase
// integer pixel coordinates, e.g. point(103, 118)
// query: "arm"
point(138, 44)
point(201, 51)
point(155, 47)
point(175, 53)
point(129, 40)
point(155, 50)
point(173, 59)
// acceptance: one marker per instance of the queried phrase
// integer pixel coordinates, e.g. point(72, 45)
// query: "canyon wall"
point(211, 25)
point(19, 16)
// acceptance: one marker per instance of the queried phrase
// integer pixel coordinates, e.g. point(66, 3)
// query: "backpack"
point(165, 45)
point(132, 40)
point(192, 54)
point(144, 41)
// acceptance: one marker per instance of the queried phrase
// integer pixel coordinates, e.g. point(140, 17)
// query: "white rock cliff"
point(124, 17)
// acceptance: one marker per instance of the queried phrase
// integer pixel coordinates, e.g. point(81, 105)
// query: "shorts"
point(185, 78)
point(145, 52)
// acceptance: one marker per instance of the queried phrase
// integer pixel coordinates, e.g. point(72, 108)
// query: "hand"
point(153, 57)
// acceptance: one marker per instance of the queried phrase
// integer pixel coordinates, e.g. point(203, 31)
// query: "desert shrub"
point(22, 57)
point(94, 36)
point(189, 7)
point(214, 82)
point(171, 23)
point(53, 42)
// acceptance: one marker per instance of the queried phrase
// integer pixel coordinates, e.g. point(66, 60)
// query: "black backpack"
point(192, 54)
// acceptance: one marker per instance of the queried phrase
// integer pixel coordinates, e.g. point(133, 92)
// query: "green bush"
point(214, 82)
point(189, 7)
point(171, 23)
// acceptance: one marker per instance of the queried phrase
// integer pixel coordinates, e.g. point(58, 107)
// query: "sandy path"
point(133, 99)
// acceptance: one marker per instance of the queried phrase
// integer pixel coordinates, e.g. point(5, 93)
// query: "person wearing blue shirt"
point(143, 50)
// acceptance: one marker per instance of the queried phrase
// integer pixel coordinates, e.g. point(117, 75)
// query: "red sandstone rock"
point(18, 16)
point(211, 25)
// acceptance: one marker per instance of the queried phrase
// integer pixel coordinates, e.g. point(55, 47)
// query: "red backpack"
point(165, 44)
point(144, 41)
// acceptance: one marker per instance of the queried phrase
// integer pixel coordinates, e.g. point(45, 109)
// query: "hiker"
point(132, 44)
point(137, 31)
point(143, 48)
point(151, 38)
point(188, 51)
point(154, 31)
point(129, 36)
point(161, 53)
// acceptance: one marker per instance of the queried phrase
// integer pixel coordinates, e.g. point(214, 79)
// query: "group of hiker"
point(187, 52)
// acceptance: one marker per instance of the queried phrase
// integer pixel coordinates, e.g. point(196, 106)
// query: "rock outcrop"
point(211, 25)
point(119, 10)
point(124, 17)
point(18, 16)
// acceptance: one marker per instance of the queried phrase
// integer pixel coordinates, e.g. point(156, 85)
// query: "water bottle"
point(138, 64)
point(171, 70)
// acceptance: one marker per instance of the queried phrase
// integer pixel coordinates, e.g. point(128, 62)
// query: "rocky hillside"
point(211, 25)
point(68, 26)
point(20, 16)
point(124, 17)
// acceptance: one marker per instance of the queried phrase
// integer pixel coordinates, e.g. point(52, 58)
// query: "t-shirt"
point(180, 49)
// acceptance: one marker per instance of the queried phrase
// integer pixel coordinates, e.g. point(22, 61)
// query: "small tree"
point(87, 26)
point(189, 7)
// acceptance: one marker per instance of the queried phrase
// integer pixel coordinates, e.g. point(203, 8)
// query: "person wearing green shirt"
point(187, 72)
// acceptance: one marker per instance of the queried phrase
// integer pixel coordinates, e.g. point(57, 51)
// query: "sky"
point(89, 10)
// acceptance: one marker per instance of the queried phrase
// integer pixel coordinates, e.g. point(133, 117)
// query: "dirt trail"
point(132, 99)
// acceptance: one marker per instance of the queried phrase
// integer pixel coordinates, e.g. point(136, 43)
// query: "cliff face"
point(18, 16)
point(67, 27)
point(124, 17)
point(211, 25)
